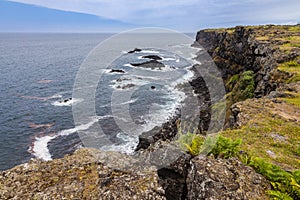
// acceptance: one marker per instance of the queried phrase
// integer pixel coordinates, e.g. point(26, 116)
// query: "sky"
point(118, 15)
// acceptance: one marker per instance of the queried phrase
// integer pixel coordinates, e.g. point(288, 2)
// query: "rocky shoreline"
point(92, 174)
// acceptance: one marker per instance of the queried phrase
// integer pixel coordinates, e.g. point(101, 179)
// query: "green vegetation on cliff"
point(262, 62)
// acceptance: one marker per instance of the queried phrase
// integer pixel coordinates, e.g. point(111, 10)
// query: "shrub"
point(217, 146)
point(225, 147)
point(247, 85)
point(191, 143)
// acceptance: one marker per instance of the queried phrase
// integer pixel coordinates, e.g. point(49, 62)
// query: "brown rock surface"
point(215, 179)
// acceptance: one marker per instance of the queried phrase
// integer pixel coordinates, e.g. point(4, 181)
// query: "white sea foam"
point(77, 128)
point(67, 102)
point(127, 146)
point(130, 101)
point(149, 51)
point(128, 65)
point(39, 147)
point(168, 59)
point(56, 96)
point(132, 81)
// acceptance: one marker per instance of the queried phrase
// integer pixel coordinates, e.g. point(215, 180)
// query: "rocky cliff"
point(261, 63)
point(249, 48)
point(84, 175)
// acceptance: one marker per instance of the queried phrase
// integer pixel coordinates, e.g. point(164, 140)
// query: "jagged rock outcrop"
point(92, 174)
point(215, 179)
point(237, 50)
point(87, 174)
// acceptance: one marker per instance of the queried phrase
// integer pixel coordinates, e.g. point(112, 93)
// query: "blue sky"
point(117, 15)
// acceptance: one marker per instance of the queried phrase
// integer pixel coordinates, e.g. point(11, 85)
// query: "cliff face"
point(237, 50)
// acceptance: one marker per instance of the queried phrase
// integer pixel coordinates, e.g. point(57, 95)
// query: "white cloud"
point(183, 14)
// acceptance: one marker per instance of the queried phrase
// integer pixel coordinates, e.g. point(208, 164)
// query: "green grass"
point(285, 185)
point(294, 99)
point(292, 67)
point(294, 29)
point(258, 138)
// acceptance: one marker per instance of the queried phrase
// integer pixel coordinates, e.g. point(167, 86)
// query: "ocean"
point(37, 78)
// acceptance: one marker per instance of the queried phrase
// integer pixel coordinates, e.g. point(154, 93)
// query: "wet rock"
point(65, 100)
point(153, 87)
point(123, 79)
point(165, 132)
point(117, 71)
point(127, 86)
point(152, 64)
point(153, 57)
point(135, 50)
point(215, 179)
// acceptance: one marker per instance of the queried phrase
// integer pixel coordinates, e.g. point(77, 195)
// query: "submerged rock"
point(127, 86)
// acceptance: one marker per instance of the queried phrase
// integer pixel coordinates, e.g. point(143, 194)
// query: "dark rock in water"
point(210, 178)
point(153, 87)
point(117, 71)
point(167, 131)
point(152, 64)
point(135, 50)
point(153, 57)
point(123, 79)
point(127, 86)
point(65, 100)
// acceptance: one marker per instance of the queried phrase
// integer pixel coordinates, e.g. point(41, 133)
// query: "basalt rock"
point(87, 174)
point(152, 64)
point(215, 179)
point(135, 50)
point(117, 71)
point(153, 57)
point(93, 174)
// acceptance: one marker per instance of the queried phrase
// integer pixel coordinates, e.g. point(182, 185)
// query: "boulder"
point(215, 179)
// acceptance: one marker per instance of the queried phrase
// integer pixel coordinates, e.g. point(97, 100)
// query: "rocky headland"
point(260, 67)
